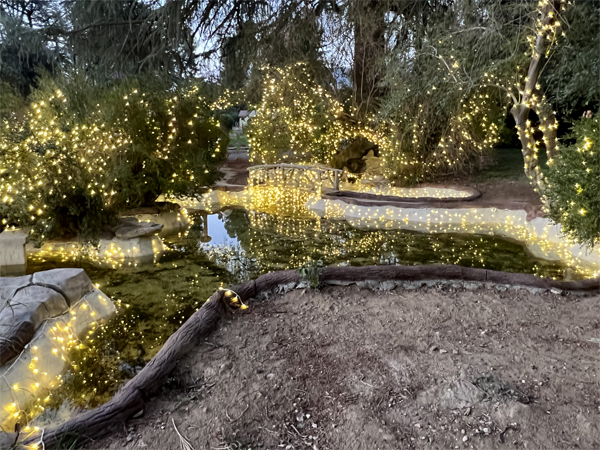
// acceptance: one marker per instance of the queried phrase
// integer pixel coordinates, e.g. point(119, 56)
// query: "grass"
point(507, 165)
point(238, 140)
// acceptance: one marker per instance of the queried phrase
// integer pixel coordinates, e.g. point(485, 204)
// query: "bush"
point(84, 152)
point(440, 128)
point(573, 187)
point(296, 120)
point(434, 132)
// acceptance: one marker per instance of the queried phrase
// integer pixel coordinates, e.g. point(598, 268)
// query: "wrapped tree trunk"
point(533, 99)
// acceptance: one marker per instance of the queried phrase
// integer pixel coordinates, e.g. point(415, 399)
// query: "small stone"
point(131, 231)
point(465, 438)
point(486, 430)
point(314, 425)
point(443, 351)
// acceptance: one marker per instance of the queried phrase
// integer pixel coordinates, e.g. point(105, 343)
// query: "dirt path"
point(346, 368)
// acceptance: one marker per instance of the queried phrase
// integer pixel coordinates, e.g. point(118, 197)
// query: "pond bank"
point(438, 366)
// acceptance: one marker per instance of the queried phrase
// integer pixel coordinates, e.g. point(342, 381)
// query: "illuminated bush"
point(439, 128)
point(296, 120)
point(573, 184)
point(82, 153)
point(440, 132)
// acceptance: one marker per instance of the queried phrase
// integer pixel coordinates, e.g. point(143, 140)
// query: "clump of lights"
point(26, 384)
point(298, 122)
point(52, 152)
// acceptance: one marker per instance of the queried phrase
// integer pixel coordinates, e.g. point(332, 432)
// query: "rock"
point(371, 154)
point(13, 258)
point(453, 395)
point(139, 230)
point(173, 222)
point(71, 283)
point(10, 285)
point(373, 165)
point(22, 316)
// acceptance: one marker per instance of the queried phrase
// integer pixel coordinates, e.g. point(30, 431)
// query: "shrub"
point(296, 120)
point(84, 152)
point(437, 131)
point(573, 187)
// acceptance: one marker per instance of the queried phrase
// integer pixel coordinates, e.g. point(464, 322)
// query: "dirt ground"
point(349, 368)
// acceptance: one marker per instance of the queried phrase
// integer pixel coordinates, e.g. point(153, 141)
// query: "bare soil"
point(235, 172)
point(506, 191)
point(349, 368)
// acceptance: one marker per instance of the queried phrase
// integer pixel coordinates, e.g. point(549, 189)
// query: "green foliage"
point(572, 73)
point(445, 87)
point(296, 120)
point(227, 121)
point(83, 152)
point(310, 271)
point(573, 187)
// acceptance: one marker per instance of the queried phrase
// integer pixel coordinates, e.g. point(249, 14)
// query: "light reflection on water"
point(242, 245)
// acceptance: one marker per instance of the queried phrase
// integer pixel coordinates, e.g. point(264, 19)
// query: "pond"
point(225, 248)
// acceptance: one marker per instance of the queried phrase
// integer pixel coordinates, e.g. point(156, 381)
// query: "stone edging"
point(473, 194)
point(131, 398)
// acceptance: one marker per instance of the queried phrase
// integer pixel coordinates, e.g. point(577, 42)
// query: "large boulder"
point(23, 314)
point(26, 302)
point(131, 228)
point(13, 259)
point(71, 283)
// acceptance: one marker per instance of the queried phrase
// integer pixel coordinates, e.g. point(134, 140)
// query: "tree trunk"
point(532, 99)
point(369, 53)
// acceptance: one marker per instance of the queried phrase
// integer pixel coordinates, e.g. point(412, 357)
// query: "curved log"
point(131, 398)
point(451, 272)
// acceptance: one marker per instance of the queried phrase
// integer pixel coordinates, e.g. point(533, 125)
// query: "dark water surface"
point(230, 247)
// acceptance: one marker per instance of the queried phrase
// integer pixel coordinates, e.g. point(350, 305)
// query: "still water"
point(226, 248)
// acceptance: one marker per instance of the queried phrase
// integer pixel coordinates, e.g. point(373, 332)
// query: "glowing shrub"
point(81, 153)
point(297, 121)
point(573, 184)
point(435, 133)
point(439, 131)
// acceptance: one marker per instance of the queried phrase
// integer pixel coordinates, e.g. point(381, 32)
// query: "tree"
point(532, 98)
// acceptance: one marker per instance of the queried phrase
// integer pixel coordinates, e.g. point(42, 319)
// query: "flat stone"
point(22, 316)
point(71, 283)
point(453, 395)
point(135, 231)
point(13, 258)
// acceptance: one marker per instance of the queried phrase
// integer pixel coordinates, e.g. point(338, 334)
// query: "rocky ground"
point(348, 368)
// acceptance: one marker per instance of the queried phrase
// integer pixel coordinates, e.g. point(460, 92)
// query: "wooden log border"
point(136, 392)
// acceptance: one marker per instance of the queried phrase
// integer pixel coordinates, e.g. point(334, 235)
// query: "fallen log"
point(135, 393)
